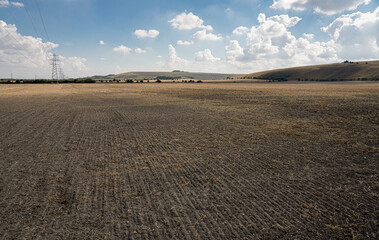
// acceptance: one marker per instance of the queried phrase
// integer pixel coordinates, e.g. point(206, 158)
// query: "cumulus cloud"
point(309, 36)
point(204, 35)
point(73, 65)
point(27, 51)
point(357, 34)
point(271, 35)
point(175, 62)
point(184, 43)
point(4, 3)
point(206, 56)
point(122, 49)
point(188, 21)
point(204, 62)
point(26, 55)
point(152, 33)
point(234, 50)
point(241, 30)
point(272, 44)
point(101, 42)
point(320, 6)
point(140, 51)
point(17, 4)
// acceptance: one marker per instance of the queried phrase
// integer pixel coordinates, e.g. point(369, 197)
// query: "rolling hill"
point(328, 72)
point(176, 74)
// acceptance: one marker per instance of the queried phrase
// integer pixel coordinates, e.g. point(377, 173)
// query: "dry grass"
point(335, 71)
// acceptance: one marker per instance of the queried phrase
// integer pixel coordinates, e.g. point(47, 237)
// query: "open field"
point(189, 161)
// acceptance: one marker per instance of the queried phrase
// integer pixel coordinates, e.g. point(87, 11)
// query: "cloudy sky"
point(230, 36)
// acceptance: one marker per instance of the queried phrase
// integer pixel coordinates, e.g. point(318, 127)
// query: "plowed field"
point(189, 161)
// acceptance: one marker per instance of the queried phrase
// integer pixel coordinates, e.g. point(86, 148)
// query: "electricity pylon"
point(54, 64)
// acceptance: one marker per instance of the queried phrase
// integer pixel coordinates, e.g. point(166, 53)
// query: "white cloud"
point(184, 43)
point(271, 35)
point(188, 21)
point(357, 34)
point(26, 51)
point(26, 55)
point(309, 36)
point(240, 30)
point(73, 65)
point(122, 49)
point(203, 35)
point(152, 33)
point(271, 45)
point(234, 50)
point(17, 4)
point(140, 51)
point(4, 3)
point(328, 7)
point(206, 56)
point(101, 42)
point(175, 62)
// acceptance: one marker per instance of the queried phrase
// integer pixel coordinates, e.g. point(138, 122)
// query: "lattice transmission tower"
point(54, 64)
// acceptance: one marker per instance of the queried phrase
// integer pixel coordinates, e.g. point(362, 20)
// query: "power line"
point(55, 75)
point(30, 18)
point(43, 22)
point(28, 58)
point(15, 20)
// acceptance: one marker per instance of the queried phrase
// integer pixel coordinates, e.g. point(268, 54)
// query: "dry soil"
point(189, 161)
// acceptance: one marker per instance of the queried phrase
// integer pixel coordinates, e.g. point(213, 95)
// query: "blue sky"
point(272, 34)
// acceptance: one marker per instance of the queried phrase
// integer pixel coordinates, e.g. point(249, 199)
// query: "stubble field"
point(189, 161)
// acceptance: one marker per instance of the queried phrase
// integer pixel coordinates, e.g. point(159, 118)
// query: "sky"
point(97, 37)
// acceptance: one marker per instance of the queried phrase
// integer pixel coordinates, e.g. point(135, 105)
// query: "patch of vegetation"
point(271, 78)
point(87, 80)
point(167, 78)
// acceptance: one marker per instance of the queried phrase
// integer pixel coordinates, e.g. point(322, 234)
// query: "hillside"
point(337, 71)
point(180, 75)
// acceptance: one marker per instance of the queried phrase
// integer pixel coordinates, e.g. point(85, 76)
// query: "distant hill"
point(338, 71)
point(171, 75)
point(101, 77)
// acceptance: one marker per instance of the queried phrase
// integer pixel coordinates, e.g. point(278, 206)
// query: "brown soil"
point(189, 161)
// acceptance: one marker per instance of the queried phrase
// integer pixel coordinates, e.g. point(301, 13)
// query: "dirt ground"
point(189, 161)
